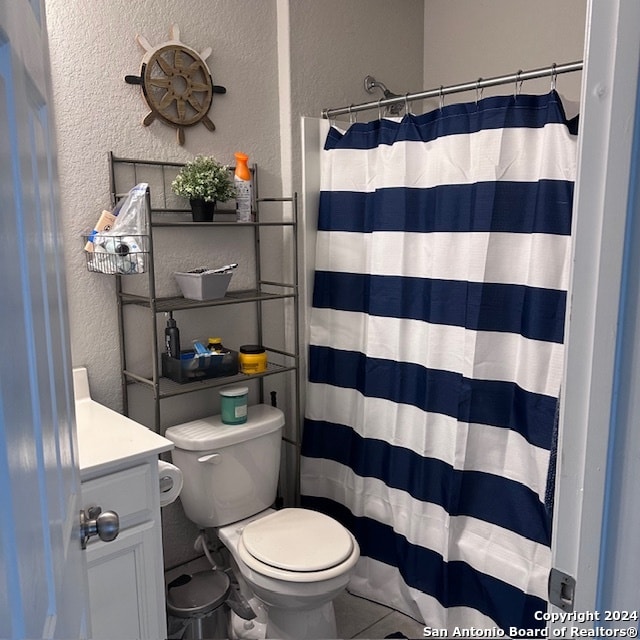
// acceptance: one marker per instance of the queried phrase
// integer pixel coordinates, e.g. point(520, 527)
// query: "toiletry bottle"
point(242, 181)
point(172, 337)
point(215, 346)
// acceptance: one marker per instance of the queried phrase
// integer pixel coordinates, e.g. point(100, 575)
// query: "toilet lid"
point(298, 540)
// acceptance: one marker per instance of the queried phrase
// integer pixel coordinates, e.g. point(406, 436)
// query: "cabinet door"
point(126, 578)
point(123, 586)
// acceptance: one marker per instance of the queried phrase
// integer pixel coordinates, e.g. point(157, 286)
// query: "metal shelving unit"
point(163, 388)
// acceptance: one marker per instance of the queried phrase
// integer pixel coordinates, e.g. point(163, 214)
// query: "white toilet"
point(295, 561)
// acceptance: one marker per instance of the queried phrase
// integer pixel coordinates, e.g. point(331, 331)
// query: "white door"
point(597, 500)
point(42, 568)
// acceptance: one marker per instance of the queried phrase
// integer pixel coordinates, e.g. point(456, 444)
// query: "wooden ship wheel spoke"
point(176, 84)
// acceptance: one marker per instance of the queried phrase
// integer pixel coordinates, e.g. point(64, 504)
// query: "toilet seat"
point(298, 540)
point(297, 545)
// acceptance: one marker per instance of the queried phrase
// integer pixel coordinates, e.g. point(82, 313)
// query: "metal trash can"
point(196, 606)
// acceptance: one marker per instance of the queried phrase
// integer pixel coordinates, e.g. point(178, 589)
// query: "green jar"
point(233, 405)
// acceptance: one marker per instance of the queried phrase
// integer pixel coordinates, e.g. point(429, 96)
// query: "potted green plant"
point(204, 181)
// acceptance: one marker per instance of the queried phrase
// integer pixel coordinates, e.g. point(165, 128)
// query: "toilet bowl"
point(294, 561)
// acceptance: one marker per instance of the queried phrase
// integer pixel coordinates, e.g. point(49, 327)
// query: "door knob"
point(105, 525)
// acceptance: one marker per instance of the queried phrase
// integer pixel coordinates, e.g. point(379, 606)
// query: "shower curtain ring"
point(407, 111)
point(379, 110)
point(441, 94)
point(518, 87)
point(352, 116)
point(554, 76)
point(479, 90)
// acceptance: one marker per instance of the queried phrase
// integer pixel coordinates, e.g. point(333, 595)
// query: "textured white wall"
point(279, 59)
point(332, 46)
point(468, 39)
point(335, 44)
point(93, 47)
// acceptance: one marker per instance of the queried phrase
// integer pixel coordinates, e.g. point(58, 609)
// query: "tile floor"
point(360, 618)
point(355, 617)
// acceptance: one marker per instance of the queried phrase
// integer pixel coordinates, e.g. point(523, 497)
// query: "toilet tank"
point(230, 471)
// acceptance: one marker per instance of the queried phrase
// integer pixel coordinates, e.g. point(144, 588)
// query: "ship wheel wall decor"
point(176, 84)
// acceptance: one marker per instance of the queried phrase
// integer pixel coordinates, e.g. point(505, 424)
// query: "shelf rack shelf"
point(178, 303)
point(169, 389)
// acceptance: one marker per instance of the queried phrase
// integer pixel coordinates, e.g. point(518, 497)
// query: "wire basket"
point(116, 255)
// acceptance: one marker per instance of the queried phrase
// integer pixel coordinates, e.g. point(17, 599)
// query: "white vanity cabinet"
point(118, 460)
point(126, 575)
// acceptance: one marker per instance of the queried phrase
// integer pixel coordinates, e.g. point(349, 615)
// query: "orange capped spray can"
point(242, 180)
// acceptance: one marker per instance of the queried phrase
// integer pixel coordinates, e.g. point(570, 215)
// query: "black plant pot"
point(202, 211)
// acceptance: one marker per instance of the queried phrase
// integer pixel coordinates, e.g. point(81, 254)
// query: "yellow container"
point(253, 359)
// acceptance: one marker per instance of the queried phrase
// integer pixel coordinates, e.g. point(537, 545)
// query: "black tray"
point(193, 366)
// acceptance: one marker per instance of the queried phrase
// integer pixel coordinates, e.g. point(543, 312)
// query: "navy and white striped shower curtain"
point(436, 354)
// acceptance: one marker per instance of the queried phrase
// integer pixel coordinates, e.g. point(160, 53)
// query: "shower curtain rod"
point(476, 85)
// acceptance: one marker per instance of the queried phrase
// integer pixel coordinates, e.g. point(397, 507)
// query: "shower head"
point(370, 83)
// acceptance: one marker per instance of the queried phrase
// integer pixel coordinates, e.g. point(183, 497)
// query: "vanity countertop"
point(108, 440)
